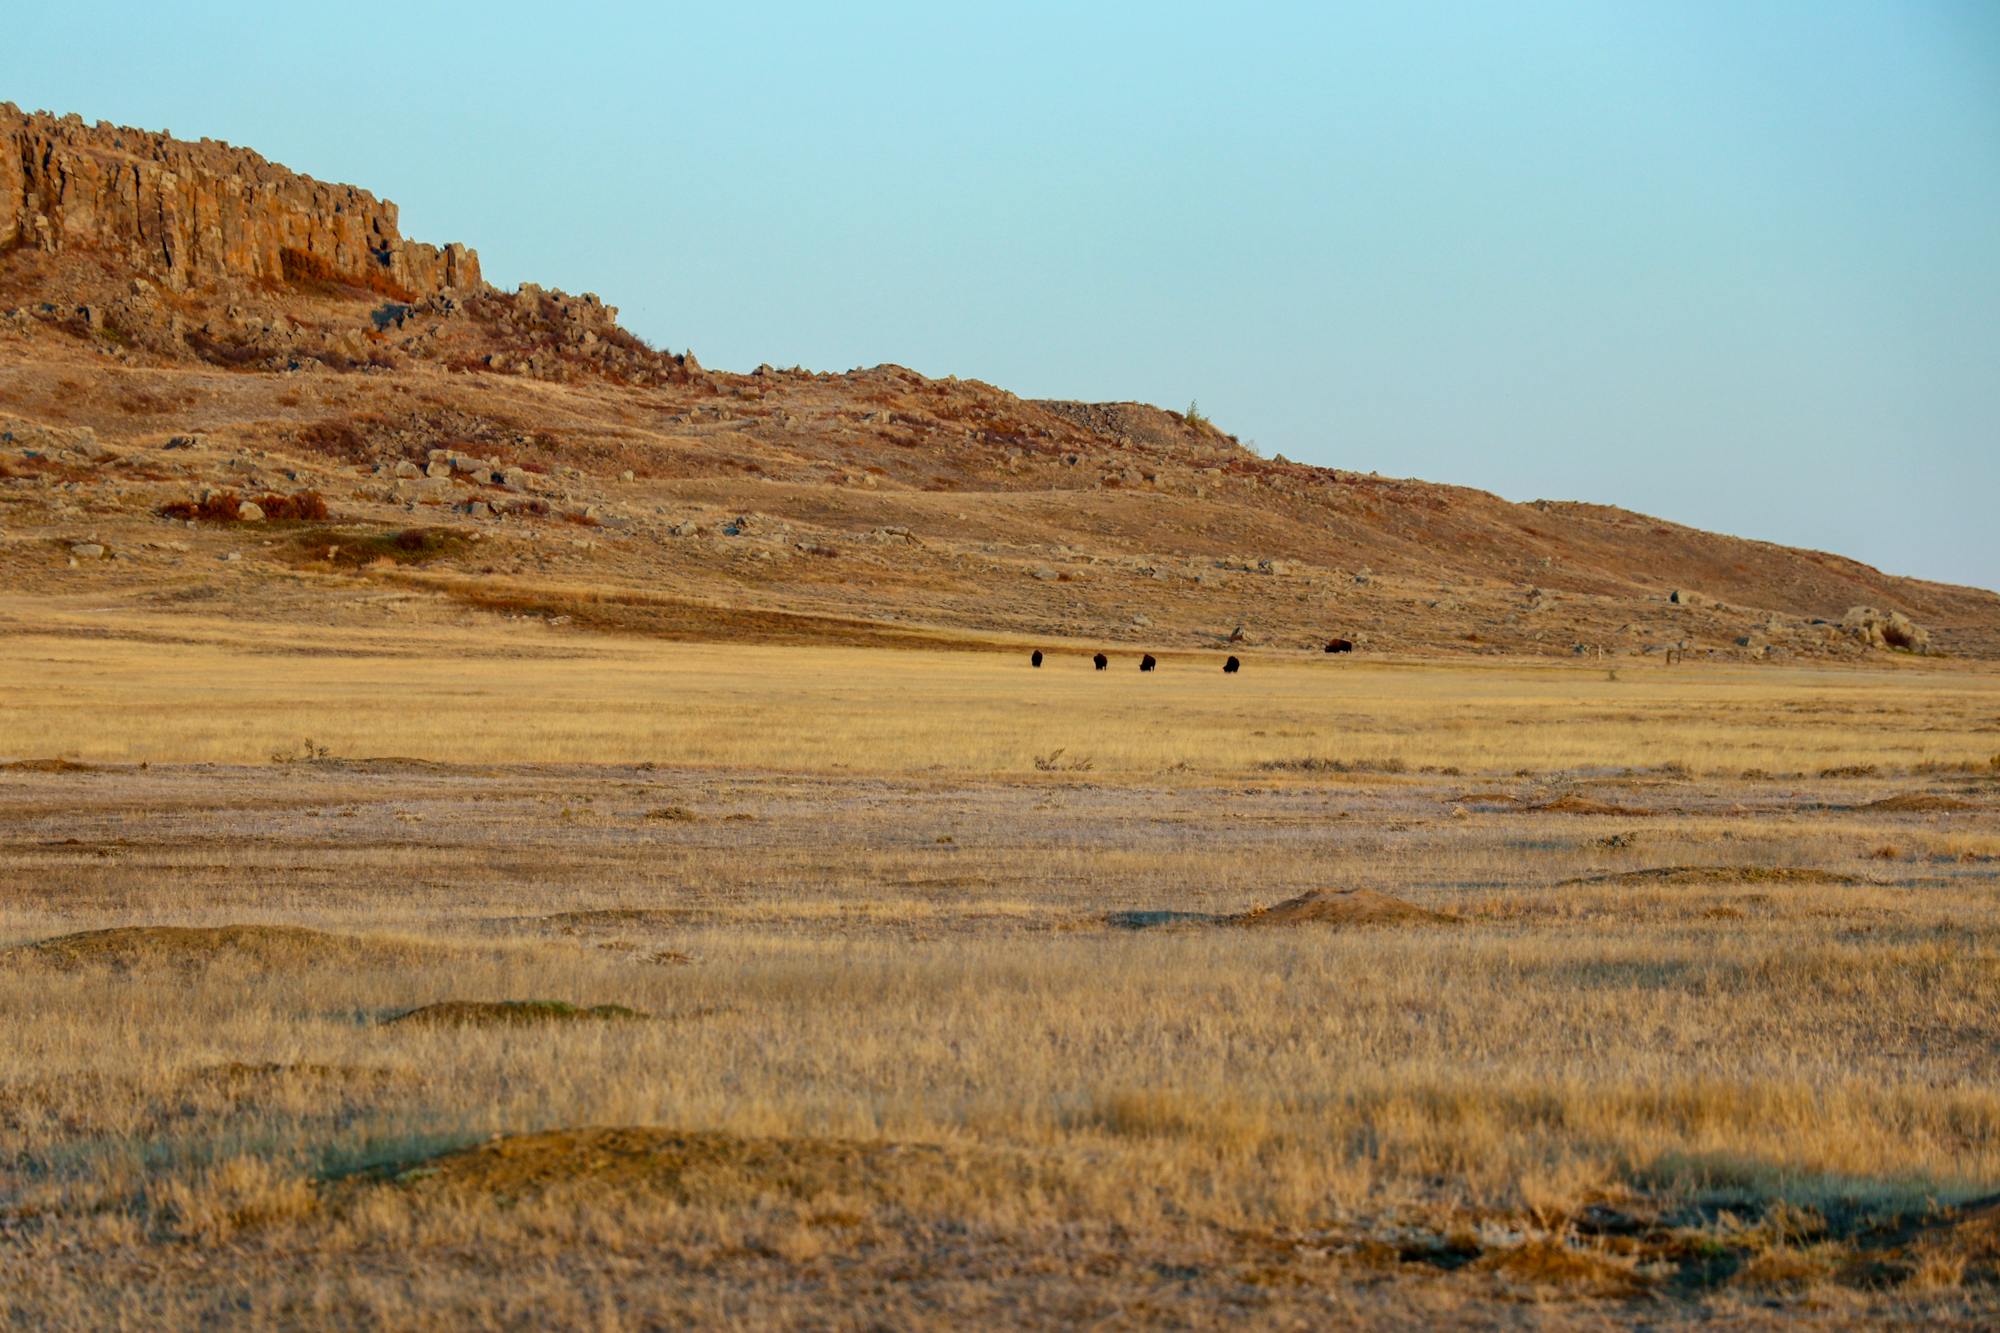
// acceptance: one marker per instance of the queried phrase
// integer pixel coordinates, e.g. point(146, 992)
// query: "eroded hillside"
point(185, 328)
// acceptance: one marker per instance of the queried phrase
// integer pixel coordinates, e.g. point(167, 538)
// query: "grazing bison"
point(1340, 645)
point(1036, 659)
point(1231, 667)
point(1147, 663)
point(1100, 661)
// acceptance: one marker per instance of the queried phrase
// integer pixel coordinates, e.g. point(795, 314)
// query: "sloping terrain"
point(186, 327)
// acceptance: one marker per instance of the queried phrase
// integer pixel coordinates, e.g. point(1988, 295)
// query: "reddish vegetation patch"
point(226, 506)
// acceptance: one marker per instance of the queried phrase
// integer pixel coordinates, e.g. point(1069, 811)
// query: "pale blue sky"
point(1736, 264)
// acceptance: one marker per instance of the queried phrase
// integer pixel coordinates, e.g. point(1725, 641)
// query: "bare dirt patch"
point(48, 766)
point(512, 1013)
point(267, 948)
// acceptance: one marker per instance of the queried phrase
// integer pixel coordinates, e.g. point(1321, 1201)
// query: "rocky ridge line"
point(195, 214)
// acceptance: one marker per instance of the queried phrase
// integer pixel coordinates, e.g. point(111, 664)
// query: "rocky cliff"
point(199, 214)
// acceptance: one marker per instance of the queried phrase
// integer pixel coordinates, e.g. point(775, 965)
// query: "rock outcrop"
point(198, 214)
point(1885, 629)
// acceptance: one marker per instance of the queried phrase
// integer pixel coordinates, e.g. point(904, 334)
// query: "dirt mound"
point(1583, 805)
point(511, 1013)
point(1317, 907)
point(1340, 907)
point(1916, 802)
point(1718, 875)
point(132, 948)
point(47, 766)
point(704, 1168)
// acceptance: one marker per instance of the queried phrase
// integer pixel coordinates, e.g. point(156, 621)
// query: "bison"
point(1340, 645)
point(1147, 663)
point(1035, 659)
point(1231, 667)
point(1100, 661)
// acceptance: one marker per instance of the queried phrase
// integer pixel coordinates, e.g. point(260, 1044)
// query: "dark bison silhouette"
point(1100, 661)
point(1340, 645)
point(1231, 667)
point(1147, 663)
point(1036, 659)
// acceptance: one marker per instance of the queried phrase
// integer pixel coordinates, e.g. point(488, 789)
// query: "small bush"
point(410, 546)
point(336, 438)
point(223, 507)
point(298, 507)
point(1385, 765)
point(215, 507)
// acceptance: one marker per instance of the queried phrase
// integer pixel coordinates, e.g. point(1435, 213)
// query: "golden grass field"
point(1704, 1031)
point(180, 688)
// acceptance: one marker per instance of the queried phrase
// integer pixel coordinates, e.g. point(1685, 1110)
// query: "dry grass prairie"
point(911, 1030)
point(178, 688)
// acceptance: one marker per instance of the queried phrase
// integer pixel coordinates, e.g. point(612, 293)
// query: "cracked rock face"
point(199, 213)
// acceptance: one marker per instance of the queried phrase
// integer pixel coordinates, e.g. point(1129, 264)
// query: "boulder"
point(1885, 629)
point(249, 512)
